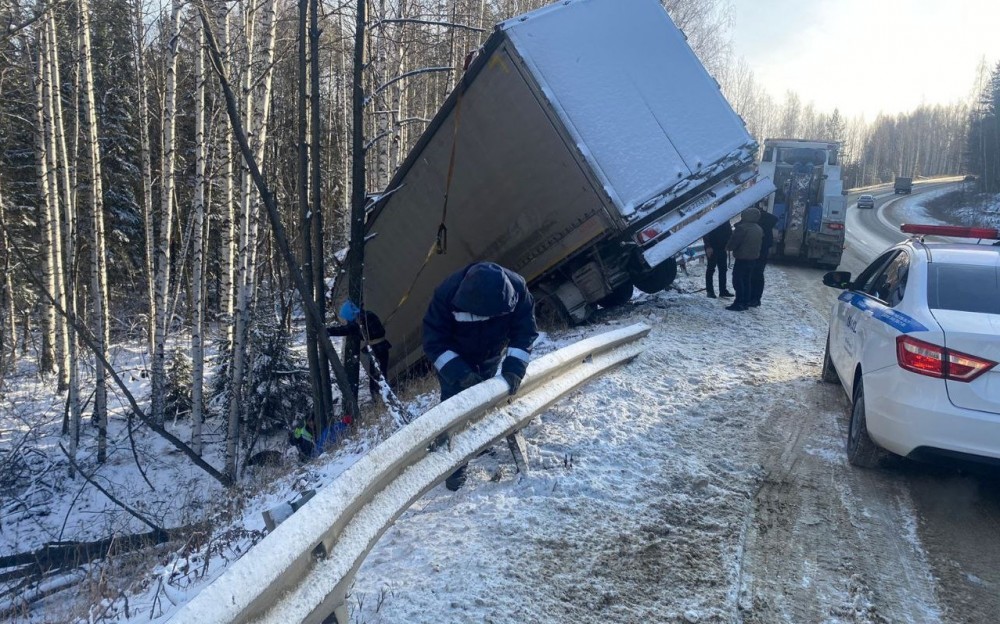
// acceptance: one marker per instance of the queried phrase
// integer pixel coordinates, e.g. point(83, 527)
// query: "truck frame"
point(584, 147)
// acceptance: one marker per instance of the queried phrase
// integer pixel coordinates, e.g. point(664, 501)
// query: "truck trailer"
point(584, 147)
point(809, 202)
point(903, 185)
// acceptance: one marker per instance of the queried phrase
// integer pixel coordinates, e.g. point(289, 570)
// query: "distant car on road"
point(969, 178)
point(915, 341)
point(866, 201)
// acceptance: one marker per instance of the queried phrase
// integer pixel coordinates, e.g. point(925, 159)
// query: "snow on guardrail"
point(301, 571)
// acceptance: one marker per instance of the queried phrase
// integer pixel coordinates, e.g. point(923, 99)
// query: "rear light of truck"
point(929, 359)
point(647, 234)
point(835, 226)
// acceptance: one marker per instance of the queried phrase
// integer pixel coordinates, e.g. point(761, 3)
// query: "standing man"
point(474, 314)
point(715, 250)
point(368, 326)
point(745, 245)
point(767, 223)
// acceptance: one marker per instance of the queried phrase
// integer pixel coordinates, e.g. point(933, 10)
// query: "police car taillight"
point(950, 230)
point(925, 358)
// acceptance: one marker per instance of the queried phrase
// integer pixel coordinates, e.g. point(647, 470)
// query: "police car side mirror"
point(837, 279)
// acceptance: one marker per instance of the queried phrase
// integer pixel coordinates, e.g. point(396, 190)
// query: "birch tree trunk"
point(47, 364)
point(242, 308)
point(147, 174)
point(197, 285)
point(54, 224)
point(227, 225)
point(8, 335)
point(69, 227)
point(97, 254)
point(166, 218)
point(257, 122)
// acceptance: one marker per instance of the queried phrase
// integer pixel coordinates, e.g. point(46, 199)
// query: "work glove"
point(513, 381)
point(459, 374)
point(513, 370)
point(470, 380)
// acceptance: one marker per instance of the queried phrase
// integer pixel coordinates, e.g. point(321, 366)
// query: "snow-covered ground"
point(703, 482)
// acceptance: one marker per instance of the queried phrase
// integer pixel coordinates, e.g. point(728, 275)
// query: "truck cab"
point(902, 185)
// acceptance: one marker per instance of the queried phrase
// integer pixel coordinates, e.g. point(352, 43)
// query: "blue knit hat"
point(349, 311)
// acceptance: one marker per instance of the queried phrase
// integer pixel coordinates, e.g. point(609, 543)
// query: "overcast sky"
point(866, 56)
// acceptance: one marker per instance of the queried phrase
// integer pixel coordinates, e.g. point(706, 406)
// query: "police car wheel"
point(861, 450)
point(829, 373)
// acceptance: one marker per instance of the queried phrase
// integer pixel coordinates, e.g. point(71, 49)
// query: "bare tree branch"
point(428, 23)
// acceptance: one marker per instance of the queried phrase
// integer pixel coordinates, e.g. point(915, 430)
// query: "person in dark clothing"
point(474, 314)
point(767, 223)
point(745, 245)
point(715, 252)
point(368, 326)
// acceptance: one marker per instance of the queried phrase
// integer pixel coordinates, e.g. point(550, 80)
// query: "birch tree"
point(69, 224)
point(197, 283)
point(98, 261)
point(166, 214)
point(47, 363)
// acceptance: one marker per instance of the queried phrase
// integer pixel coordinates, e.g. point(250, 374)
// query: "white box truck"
point(584, 147)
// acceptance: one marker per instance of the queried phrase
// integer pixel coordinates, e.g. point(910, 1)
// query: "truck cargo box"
point(575, 130)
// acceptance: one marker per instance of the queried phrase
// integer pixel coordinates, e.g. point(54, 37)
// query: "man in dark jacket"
point(767, 223)
point(474, 314)
point(715, 252)
point(745, 245)
point(367, 326)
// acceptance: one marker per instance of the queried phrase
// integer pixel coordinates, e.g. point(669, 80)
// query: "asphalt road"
point(957, 531)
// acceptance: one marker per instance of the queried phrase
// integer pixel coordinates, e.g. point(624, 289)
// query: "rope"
point(440, 245)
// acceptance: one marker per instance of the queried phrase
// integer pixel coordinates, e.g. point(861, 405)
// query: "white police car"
point(915, 341)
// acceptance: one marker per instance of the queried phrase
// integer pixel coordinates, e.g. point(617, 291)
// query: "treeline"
point(928, 141)
point(984, 132)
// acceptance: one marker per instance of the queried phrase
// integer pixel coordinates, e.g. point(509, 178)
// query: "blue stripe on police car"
point(893, 318)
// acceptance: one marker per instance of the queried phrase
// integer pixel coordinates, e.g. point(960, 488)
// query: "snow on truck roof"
point(641, 107)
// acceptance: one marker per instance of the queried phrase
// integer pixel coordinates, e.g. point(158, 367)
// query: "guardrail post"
point(519, 449)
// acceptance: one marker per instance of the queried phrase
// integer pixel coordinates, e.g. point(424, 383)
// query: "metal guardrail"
point(303, 570)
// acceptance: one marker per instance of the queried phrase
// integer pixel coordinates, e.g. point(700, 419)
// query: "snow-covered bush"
point(275, 387)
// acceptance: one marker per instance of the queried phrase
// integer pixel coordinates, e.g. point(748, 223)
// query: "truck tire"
point(861, 450)
point(550, 313)
point(656, 279)
point(619, 296)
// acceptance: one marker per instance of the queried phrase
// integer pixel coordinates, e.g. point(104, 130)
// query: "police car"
point(915, 341)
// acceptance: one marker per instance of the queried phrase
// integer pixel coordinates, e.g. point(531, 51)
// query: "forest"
point(179, 181)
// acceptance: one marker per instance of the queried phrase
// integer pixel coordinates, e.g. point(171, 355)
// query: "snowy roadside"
point(642, 490)
point(651, 498)
point(952, 206)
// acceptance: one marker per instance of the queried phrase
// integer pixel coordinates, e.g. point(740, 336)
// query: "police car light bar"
point(950, 230)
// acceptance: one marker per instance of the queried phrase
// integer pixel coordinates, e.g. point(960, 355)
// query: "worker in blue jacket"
point(474, 314)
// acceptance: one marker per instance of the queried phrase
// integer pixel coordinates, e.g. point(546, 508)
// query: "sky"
point(867, 56)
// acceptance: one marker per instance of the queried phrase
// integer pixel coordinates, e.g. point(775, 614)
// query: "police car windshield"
point(963, 287)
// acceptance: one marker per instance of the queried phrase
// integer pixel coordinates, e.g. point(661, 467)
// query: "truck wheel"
point(829, 373)
point(861, 450)
point(656, 279)
point(619, 296)
point(550, 313)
